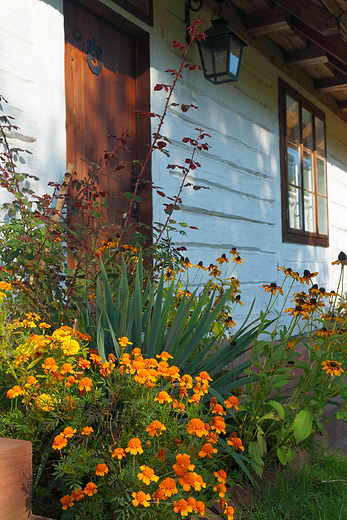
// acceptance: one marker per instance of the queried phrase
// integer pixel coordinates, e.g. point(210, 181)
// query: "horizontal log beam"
point(268, 22)
point(331, 84)
point(312, 14)
point(307, 57)
point(342, 105)
point(333, 45)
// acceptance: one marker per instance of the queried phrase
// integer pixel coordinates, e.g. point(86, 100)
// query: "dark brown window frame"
point(289, 234)
point(131, 8)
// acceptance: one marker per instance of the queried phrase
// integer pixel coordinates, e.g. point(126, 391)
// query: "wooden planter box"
point(16, 480)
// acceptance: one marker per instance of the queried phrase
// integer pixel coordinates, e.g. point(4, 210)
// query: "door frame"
point(142, 93)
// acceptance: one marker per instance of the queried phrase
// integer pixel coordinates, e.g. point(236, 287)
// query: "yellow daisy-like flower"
point(223, 259)
point(134, 446)
point(147, 475)
point(272, 288)
point(238, 260)
point(141, 498)
point(101, 469)
point(332, 367)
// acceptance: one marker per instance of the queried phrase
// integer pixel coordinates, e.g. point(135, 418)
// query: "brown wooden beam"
point(330, 84)
point(333, 45)
point(307, 57)
point(268, 22)
point(312, 14)
point(341, 67)
point(342, 105)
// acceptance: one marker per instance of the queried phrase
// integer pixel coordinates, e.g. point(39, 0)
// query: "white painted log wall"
point(242, 208)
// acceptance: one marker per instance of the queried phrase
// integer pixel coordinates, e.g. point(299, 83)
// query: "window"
point(303, 170)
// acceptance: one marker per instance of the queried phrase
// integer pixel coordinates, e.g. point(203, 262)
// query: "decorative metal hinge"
point(94, 56)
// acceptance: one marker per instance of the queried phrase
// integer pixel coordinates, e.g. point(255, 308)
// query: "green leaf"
point(285, 454)
point(302, 426)
point(254, 451)
point(278, 407)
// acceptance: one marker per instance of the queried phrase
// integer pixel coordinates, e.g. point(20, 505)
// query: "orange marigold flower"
point(195, 399)
point(161, 454)
point(164, 356)
point(50, 366)
point(96, 359)
point(218, 424)
point(155, 429)
point(66, 369)
point(77, 495)
point(200, 508)
point(186, 381)
point(31, 381)
point(85, 384)
point(221, 488)
point(119, 453)
point(125, 359)
point(182, 507)
point(90, 489)
point(134, 446)
point(101, 469)
point(87, 430)
point(212, 437)
point(66, 502)
point(123, 342)
point(207, 449)
point(220, 475)
point(70, 381)
point(196, 427)
point(231, 402)
point(59, 442)
point(5, 286)
point(169, 487)
point(235, 442)
point(141, 498)
point(229, 511)
point(68, 432)
point(182, 464)
point(163, 397)
point(203, 377)
point(14, 392)
point(158, 495)
point(83, 363)
point(147, 475)
point(218, 408)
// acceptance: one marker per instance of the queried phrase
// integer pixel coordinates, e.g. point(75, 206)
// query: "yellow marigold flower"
point(169, 487)
point(31, 381)
point(125, 359)
point(68, 432)
point(186, 381)
point(155, 429)
point(45, 402)
point(59, 442)
point(70, 346)
point(332, 367)
point(182, 507)
point(123, 342)
point(235, 442)
point(90, 489)
point(207, 449)
point(101, 469)
point(218, 424)
point(119, 453)
point(85, 384)
point(232, 402)
point(229, 511)
point(77, 495)
point(134, 446)
point(66, 502)
point(14, 392)
point(220, 475)
point(50, 365)
point(28, 324)
point(163, 397)
point(196, 427)
point(5, 286)
point(164, 356)
point(147, 475)
point(141, 498)
point(66, 369)
point(87, 430)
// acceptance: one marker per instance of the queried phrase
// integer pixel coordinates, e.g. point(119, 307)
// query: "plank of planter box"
point(15, 479)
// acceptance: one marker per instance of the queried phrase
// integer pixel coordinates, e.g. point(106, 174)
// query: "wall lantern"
point(221, 52)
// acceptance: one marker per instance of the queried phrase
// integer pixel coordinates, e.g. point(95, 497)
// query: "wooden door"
point(107, 79)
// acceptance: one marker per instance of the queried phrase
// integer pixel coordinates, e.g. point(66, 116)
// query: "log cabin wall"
point(242, 206)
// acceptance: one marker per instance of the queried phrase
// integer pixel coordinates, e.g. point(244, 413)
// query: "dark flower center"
point(298, 308)
point(342, 256)
point(223, 255)
point(322, 289)
point(200, 263)
point(333, 364)
point(273, 284)
point(307, 272)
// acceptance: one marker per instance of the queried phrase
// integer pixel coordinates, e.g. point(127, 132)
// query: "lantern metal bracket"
point(189, 7)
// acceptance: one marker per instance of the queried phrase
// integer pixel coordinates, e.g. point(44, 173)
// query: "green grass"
point(318, 491)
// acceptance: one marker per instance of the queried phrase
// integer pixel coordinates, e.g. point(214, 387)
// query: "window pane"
point(234, 57)
point(321, 180)
point(307, 136)
point(320, 139)
point(322, 216)
point(308, 171)
point(294, 198)
point(293, 119)
point(293, 157)
point(309, 209)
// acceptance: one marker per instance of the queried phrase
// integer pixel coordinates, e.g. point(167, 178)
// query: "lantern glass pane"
point(234, 60)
